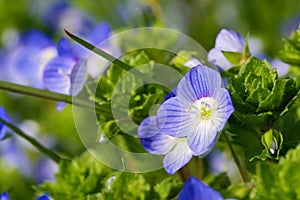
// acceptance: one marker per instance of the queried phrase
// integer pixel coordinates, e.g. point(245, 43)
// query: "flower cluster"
point(190, 122)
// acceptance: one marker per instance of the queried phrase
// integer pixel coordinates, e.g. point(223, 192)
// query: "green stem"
point(55, 157)
point(236, 159)
point(21, 89)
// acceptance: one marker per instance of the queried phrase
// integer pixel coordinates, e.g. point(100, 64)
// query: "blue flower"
point(65, 73)
point(227, 40)
point(176, 151)
point(198, 112)
point(4, 196)
point(43, 197)
point(194, 189)
point(26, 61)
point(3, 128)
point(189, 120)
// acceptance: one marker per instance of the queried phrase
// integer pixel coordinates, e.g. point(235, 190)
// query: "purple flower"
point(176, 151)
point(26, 60)
point(194, 189)
point(3, 128)
point(198, 112)
point(227, 40)
point(43, 197)
point(4, 196)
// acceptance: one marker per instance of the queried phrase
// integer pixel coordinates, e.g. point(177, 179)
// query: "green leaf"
point(126, 186)
point(169, 188)
point(279, 181)
point(233, 57)
point(272, 140)
point(76, 179)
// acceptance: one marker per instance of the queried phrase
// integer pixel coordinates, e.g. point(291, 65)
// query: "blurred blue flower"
point(227, 40)
point(4, 196)
point(230, 41)
point(26, 60)
point(176, 151)
point(65, 73)
point(194, 189)
point(3, 128)
point(60, 15)
point(43, 197)
point(198, 112)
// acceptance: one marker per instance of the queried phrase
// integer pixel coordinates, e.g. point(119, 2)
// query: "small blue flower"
point(3, 128)
point(65, 73)
point(194, 189)
point(4, 196)
point(26, 61)
point(198, 112)
point(43, 197)
point(176, 151)
point(227, 40)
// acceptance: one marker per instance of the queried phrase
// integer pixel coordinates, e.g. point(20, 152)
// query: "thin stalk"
point(113, 59)
point(184, 173)
point(235, 158)
point(52, 155)
point(21, 89)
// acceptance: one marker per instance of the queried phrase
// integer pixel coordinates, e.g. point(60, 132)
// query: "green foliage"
point(279, 181)
point(291, 52)
point(260, 100)
point(126, 186)
point(86, 178)
point(258, 95)
point(76, 179)
point(169, 188)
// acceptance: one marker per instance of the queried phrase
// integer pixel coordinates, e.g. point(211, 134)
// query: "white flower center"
point(203, 108)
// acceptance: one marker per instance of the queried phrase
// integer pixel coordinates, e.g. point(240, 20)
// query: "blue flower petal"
point(229, 40)
point(36, 38)
point(57, 74)
point(78, 77)
point(99, 33)
point(152, 139)
point(178, 156)
point(43, 197)
point(203, 139)
point(4, 196)
point(194, 189)
point(65, 48)
point(200, 81)
point(224, 109)
point(216, 57)
point(3, 128)
point(172, 118)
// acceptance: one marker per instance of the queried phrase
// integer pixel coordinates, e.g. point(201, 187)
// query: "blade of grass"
point(52, 155)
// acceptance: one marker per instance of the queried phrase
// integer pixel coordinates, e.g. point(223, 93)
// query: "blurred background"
point(21, 166)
